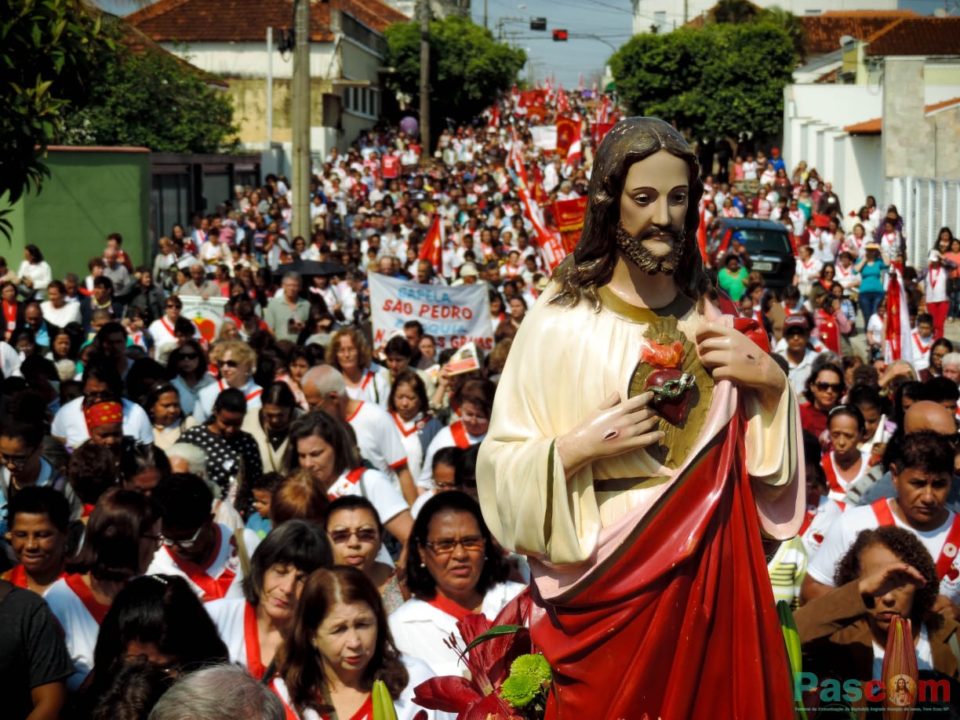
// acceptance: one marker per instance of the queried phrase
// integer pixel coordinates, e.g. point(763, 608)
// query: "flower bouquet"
point(508, 679)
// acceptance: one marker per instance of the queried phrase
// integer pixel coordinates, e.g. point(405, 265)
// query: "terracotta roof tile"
point(246, 21)
point(875, 125)
point(941, 105)
point(917, 36)
point(867, 127)
point(822, 33)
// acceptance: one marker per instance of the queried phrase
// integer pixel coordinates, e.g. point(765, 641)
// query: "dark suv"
point(767, 244)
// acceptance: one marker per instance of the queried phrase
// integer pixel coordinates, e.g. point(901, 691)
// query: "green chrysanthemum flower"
point(519, 690)
point(535, 667)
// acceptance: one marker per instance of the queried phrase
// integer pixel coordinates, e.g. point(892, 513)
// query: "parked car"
point(767, 244)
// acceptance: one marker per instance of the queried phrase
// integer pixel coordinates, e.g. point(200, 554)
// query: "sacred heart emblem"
point(670, 397)
point(953, 573)
point(818, 538)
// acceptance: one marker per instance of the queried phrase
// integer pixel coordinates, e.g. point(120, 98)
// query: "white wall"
point(248, 59)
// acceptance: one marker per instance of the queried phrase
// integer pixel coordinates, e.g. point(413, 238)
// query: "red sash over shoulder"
point(681, 623)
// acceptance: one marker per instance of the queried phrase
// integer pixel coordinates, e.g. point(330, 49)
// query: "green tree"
point(48, 55)
point(148, 97)
point(468, 68)
point(721, 80)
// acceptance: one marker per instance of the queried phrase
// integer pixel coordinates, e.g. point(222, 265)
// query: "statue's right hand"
point(616, 427)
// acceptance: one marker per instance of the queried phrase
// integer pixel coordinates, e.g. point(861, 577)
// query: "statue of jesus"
point(640, 448)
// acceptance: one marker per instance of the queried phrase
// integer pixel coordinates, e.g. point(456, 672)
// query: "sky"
point(608, 20)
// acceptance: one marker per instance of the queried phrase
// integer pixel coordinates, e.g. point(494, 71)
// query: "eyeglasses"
point(17, 461)
point(228, 363)
point(364, 535)
point(183, 544)
point(445, 547)
point(824, 387)
point(188, 356)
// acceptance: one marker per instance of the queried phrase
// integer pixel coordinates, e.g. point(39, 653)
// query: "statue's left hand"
point(731, 355)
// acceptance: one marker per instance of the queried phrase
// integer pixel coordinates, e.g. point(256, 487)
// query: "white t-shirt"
point(230, 617)
point(827, 513)
point(844, 533)
point(935, 284)
point(921, 350)
point(406, 709)
point(374, 386)
point(223, 577)
point(203, 408)
point(161, 332)
point(61, 316)
point(70, 424)
point(875, 330)
point(410, 437)
point(375, 487)
point(378, 438)
point(444, 439)
point(419, 629)
point(72, 603)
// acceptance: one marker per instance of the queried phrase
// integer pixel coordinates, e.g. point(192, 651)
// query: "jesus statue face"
point(653, 205)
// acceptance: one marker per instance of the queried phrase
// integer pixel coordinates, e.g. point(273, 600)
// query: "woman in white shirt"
point(339, 644)
point(253, 626)
point(56, 310)
point(408, 406)
point(454, 569)
point(34, 273)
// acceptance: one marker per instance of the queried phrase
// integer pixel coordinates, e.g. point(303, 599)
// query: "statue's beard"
point(634, 250)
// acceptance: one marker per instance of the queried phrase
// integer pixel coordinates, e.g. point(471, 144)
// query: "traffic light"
point(538, 23)
point(560, 35)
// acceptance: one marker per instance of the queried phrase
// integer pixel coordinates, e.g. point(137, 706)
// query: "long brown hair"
point(591, 264)
point(299, 663)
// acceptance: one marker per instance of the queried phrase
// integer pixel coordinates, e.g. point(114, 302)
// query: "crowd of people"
point(278, 494)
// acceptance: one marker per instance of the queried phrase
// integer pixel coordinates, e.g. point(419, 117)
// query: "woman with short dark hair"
point(156, 618)
point(454, 569)
point(253, 627)
point(187, 370)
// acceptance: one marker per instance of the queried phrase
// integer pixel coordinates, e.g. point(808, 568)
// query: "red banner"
point(600, 129)
point(567, 132)
point(531, 98)
point(568, 215)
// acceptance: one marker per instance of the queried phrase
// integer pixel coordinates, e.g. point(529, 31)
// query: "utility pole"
point(685, 10)
point(301, 120)
point(425, 78)
point(485, 26)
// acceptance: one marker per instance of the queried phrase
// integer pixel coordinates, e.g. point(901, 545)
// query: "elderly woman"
point(236, 362)
point(350, 353)
point(254, 627)
point(454, 569)
point(338, 646)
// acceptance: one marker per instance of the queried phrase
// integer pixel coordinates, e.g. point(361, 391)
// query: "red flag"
point(431, 249)
point(897, 345)
point(495, 115)
point(575, 151)
point(536, 190)
point(563, 103)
